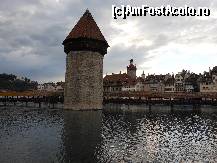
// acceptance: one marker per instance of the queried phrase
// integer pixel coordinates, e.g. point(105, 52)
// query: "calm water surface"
point(119, 133)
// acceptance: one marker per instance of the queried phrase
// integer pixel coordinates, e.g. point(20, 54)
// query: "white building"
point(189, 88)
point(59, 88)
point(128, 88)
point(40, 87)
point(179, 82)
point(50, 87)
point(139, 86)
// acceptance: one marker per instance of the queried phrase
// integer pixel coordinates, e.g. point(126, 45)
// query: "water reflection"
point(119, 133)
point(159, 134)
point(29, 134)
point(82, 133)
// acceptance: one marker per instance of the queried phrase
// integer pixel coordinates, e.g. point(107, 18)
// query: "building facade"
point(208, 82)
point(122, 81)
point(170, 84)
point(183, 82)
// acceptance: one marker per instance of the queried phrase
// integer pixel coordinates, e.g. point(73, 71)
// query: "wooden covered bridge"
point(39, 97)
point(36, 97)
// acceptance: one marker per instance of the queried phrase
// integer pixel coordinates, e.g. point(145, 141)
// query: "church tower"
point(143, 75)
point(131, 70)
point(85, 47)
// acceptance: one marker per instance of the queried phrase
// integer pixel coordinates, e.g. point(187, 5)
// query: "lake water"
point(119, 133)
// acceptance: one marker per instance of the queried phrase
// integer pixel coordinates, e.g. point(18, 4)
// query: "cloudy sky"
point(32, 31)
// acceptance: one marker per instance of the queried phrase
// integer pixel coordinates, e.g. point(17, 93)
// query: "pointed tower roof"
point(86, 36)
point(86, 27)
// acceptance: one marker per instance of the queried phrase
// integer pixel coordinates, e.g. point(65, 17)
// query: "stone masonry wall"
point(84, 80)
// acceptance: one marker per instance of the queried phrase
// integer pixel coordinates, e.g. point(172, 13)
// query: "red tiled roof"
point(123, 78)
point(116, 77)
point(86, 28)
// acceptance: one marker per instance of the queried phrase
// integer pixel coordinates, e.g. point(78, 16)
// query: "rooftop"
point(86, 27)
point(116, 77)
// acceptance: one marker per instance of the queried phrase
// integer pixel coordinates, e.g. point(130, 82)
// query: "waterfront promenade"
point(186, 95)
point(35, 97)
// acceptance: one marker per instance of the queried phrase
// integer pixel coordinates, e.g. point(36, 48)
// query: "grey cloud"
point(118, 58)
point(43, 31)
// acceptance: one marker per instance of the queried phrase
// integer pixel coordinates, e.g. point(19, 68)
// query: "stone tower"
point(85, 47)
point(131, 70)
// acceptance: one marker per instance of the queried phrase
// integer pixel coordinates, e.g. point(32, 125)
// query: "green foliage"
point(11, 83)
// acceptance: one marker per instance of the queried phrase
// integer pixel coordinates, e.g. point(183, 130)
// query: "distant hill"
point(10, 82)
